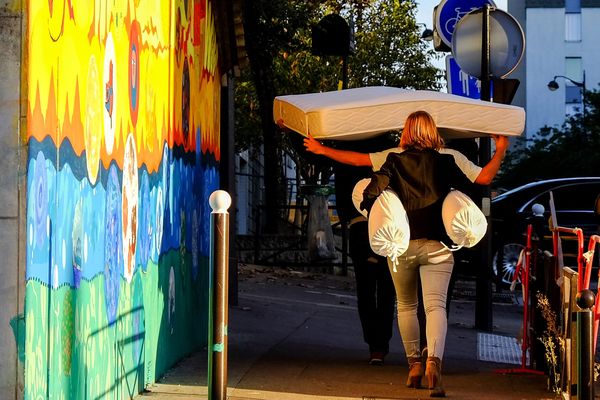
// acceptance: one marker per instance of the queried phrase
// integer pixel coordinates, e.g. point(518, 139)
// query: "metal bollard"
point(585, 354)
point(219, 201)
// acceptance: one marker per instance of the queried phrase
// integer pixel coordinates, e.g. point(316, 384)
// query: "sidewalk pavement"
point(296, 335)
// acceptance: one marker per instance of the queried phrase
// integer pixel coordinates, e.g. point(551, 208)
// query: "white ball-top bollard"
point(218, 290)
point(538, 210)
point(219, 201)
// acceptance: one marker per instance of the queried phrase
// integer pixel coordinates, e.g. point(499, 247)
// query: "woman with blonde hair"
point(420, 132)
point(428, 179)
point(421, 177)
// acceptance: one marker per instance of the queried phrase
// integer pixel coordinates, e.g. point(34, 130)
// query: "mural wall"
point(123, 137)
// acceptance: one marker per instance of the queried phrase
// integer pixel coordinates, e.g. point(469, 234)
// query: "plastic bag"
point(320, 235)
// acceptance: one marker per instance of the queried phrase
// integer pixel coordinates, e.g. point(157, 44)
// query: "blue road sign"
point(461, 83)
point(449, 12)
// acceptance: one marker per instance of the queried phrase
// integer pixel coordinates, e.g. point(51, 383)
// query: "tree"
point(389, 49)
point(567, 151)
point(278, 44)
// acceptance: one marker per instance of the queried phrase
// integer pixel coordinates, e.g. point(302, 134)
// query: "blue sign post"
point(461, 83)
point(449, 12)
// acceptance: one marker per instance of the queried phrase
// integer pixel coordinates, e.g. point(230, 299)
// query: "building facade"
point(115, 122)
point(561, 40)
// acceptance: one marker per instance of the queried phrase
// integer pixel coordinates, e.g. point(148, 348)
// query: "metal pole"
point(345, 72)
point(485, 54)
point(525, 283)
point(585, 354)
point(483, 304)
point(228, 172)
point(257, 232)
point(344, 248)
point(583, 96)
point(219, 201)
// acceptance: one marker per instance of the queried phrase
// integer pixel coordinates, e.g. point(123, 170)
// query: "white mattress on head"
point(360, 113)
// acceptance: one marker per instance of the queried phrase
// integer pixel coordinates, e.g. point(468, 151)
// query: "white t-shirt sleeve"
point(468, 168)
point(378, 158)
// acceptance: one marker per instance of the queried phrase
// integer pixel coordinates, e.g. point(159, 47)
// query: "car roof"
point(545, 185)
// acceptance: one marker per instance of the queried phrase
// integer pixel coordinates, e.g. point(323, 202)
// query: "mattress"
point(361, 113)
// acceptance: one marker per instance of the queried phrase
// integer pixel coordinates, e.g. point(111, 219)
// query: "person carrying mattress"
point(476, 174)
point(421, 175)
point(375, 293)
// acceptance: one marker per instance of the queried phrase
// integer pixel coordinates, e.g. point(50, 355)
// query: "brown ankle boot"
point(433, 372)
point(415, 372)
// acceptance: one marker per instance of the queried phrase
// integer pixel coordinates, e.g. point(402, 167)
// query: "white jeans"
point(434, 263)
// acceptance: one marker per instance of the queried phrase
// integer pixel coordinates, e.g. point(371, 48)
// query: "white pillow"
point(389, 232)
point(464, 222)
point(388, 223)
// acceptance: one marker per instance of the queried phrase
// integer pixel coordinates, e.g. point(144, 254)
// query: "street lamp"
point(427, 33)
point(553, 85)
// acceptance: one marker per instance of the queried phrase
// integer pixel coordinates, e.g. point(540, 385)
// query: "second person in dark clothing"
point(375, 293)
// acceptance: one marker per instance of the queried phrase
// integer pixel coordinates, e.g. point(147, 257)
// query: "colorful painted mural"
point(123, 140)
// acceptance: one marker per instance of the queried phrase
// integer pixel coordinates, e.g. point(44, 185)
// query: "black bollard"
point(585, 352)
point(218, 296)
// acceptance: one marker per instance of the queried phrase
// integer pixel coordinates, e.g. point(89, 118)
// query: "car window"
point(576, 197)
point(580, 196)
point(543, 199)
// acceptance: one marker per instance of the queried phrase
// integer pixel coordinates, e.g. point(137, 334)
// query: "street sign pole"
point(345, 71)
point(483, 303)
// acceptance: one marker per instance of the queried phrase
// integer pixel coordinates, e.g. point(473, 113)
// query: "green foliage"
point(567, 151)
point(388, 51)
point(278, 41)
point(247, 116)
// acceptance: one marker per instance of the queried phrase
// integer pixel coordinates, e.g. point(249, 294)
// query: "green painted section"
point(89, 359)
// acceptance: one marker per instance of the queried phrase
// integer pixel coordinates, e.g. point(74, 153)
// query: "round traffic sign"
point(507, 43)
point(449, 12)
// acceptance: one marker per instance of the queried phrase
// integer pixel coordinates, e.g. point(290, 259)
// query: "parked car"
point(574, 201)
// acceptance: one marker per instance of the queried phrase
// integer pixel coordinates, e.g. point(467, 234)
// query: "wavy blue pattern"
point(144, 233)
point(113, 251)
point(211, 183)
point(74, 228)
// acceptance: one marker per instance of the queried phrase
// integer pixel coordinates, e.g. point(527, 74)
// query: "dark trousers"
point(374, 290)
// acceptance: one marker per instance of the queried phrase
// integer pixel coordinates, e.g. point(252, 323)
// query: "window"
point(573, 69)
point(573, 20)
point(573, 93)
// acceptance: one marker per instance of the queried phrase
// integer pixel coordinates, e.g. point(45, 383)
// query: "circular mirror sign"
point(507, 43)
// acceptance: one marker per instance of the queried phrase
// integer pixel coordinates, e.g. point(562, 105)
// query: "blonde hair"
point(420, 132)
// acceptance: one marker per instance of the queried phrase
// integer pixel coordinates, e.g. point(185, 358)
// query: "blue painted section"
point(81, 223)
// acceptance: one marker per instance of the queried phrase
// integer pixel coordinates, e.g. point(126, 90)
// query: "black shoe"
point(377, 358)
